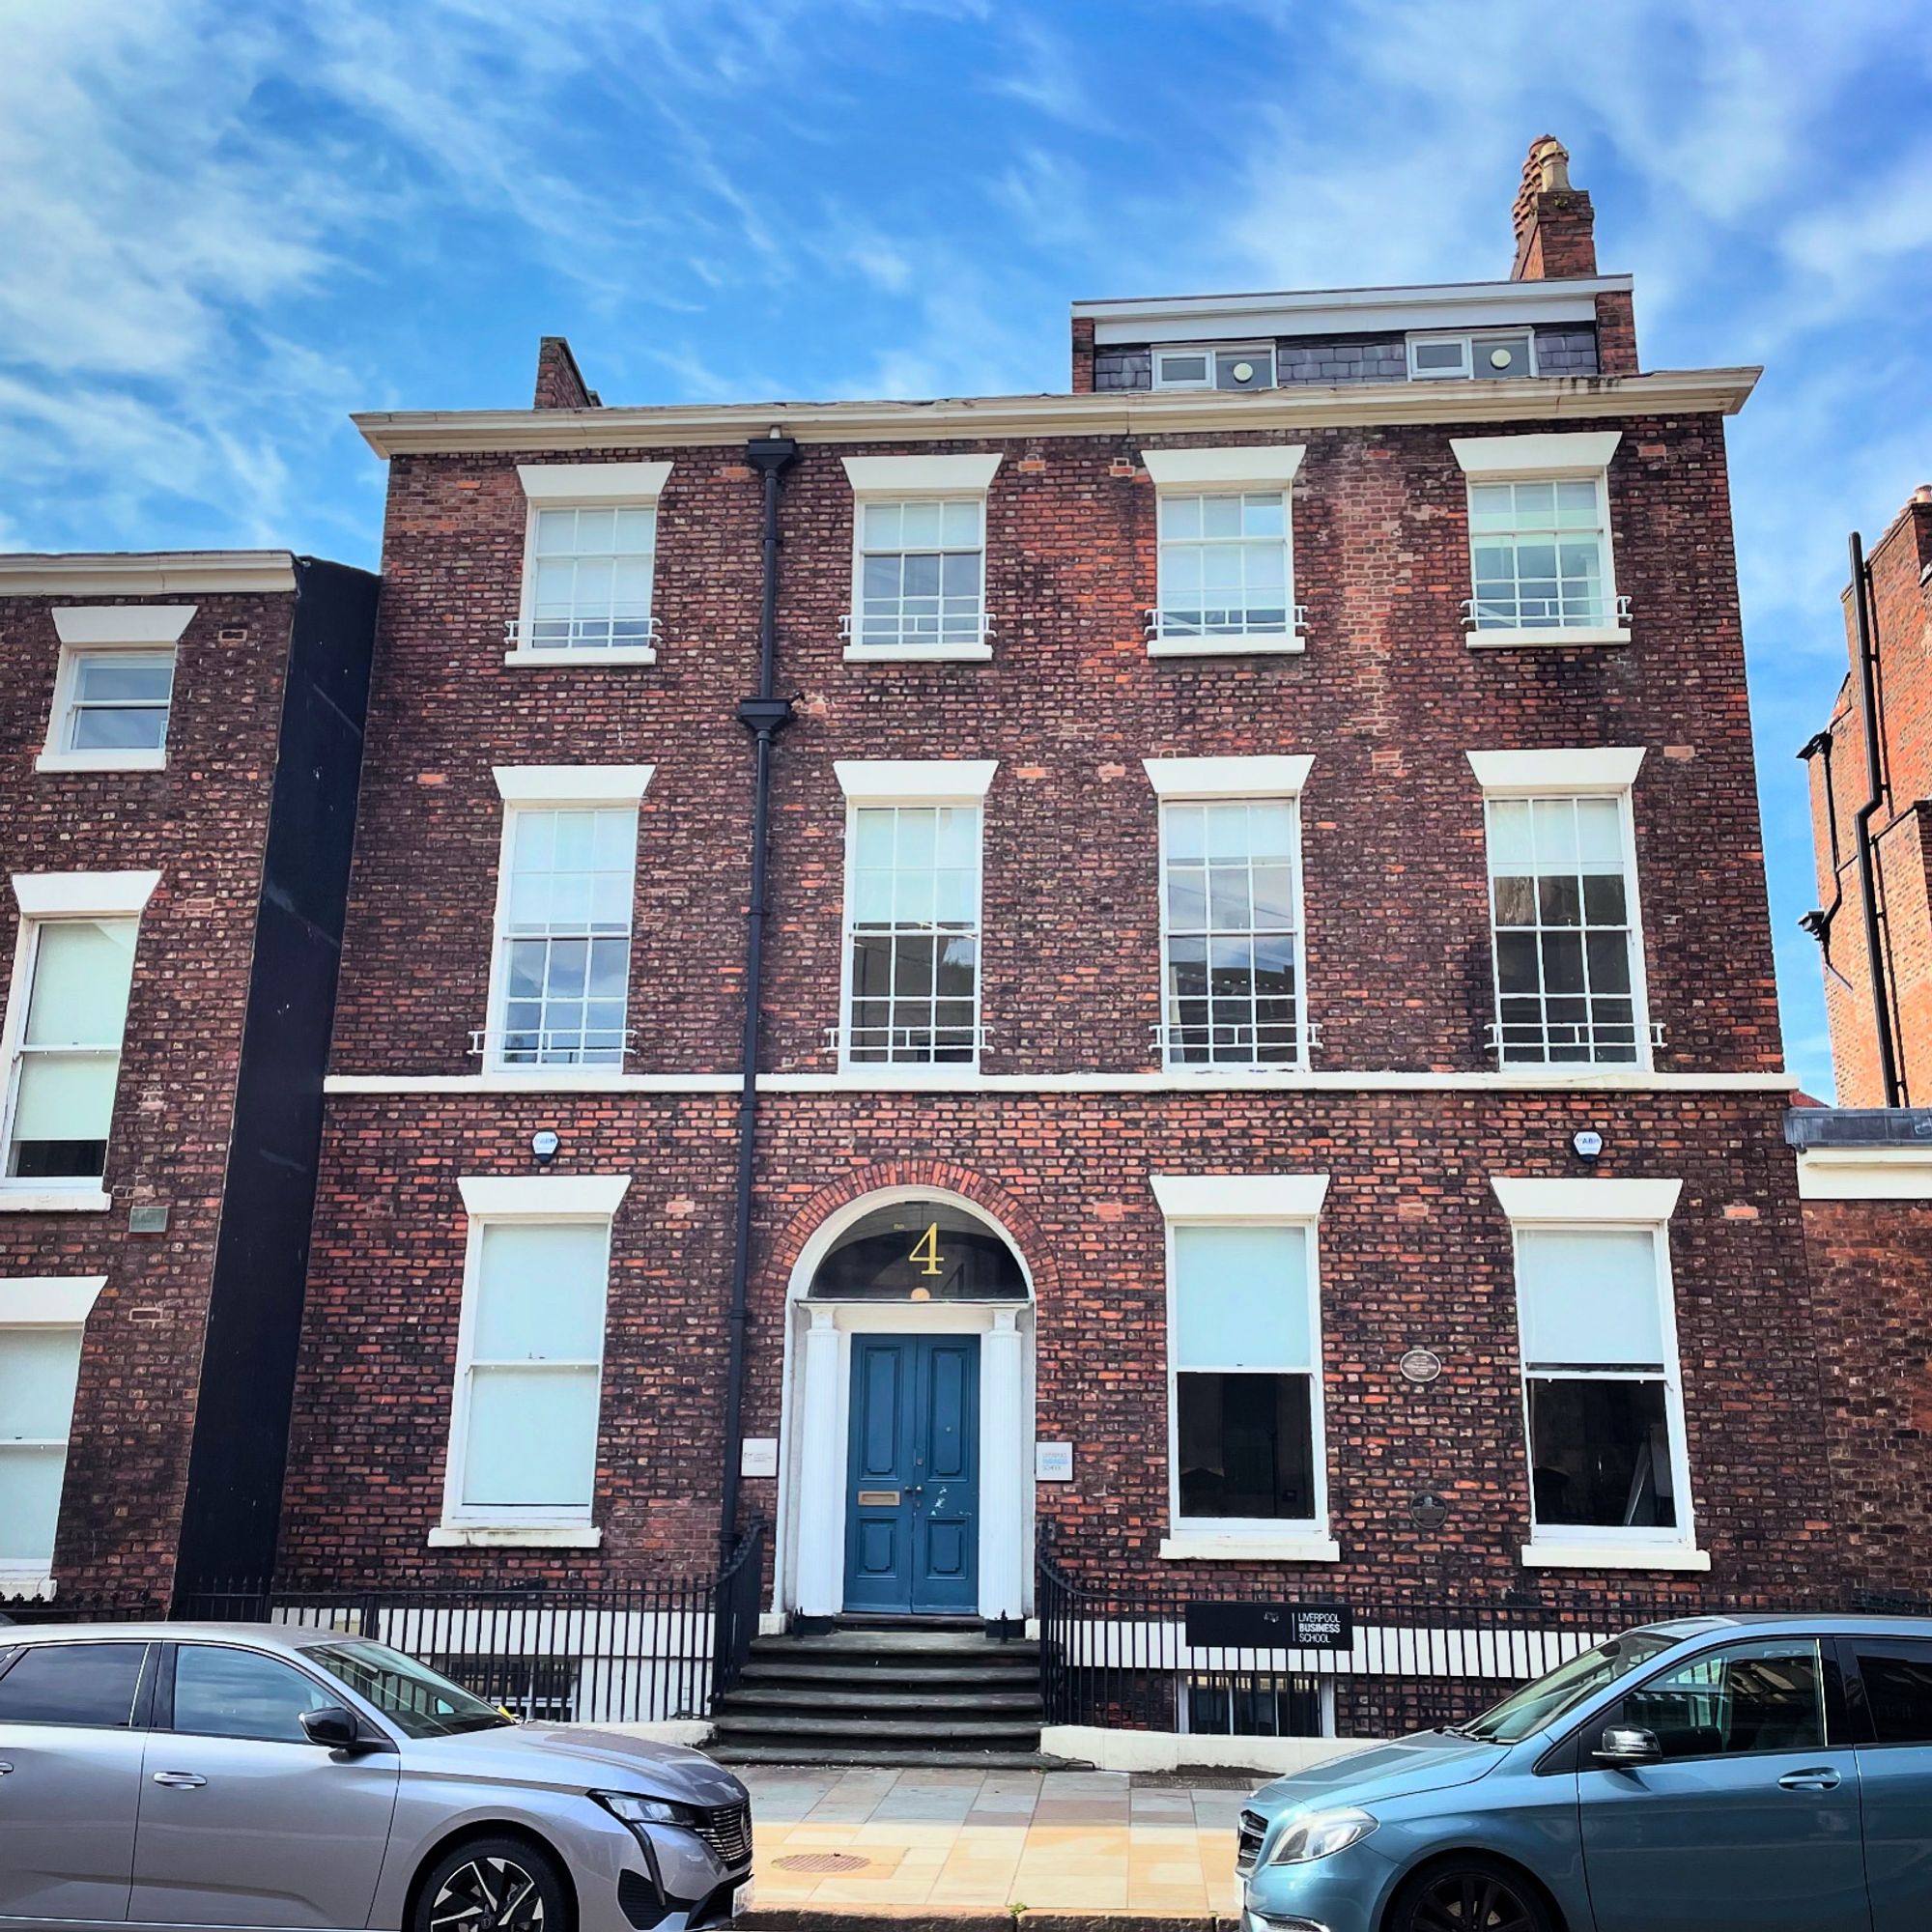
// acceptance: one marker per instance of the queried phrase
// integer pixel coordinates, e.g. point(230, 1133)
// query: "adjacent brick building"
point(180, 736)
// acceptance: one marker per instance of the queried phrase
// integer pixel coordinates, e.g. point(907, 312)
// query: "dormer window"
point(1247, 365)
point(1486, 354)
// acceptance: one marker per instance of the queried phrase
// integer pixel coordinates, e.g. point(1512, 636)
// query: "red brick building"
point(179, 737)
point(1239, 830)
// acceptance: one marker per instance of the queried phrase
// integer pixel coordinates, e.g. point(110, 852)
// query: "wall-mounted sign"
point(1421, 1365)
point(759, 1456)
point(1270, 1625)
point(1053, 1461)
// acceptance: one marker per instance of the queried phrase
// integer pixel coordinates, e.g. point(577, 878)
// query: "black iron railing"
point(625, 1652)
point(1117, 1655)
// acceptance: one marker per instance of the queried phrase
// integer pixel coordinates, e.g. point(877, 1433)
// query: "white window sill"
point(1613, 1556)
point(918, 654)
point(28, 1585)
point(1194, 1546)
point(1253, 643)
point(54, 1201)
point(1501, 638)
point(584, 660)
point(516, 1536)
point(101, 762)
point(906, 1073)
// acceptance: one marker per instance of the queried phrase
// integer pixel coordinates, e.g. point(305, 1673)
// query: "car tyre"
point(492, 1884)
point(1470, 1893)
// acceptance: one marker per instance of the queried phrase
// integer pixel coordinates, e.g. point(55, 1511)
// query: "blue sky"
point(226, 226)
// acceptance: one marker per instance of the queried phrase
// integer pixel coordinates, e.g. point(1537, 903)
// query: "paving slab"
point(950, 1850)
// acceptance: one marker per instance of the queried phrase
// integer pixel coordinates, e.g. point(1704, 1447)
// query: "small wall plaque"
point(1421, 1365)
point(759, 1456)
point(150, 1218)
point(1053, 1461)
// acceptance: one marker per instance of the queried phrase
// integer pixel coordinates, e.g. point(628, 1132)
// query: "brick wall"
point(200, 823)
point(1388, 697)
point(1872, 1265)
point(1414, 1251)
point(1902, 619)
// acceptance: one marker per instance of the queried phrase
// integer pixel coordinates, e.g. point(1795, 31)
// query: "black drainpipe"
point(1818, 922)
point(764, 717)
point(1862, 838)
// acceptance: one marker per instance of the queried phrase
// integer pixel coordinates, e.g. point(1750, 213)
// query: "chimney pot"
point(1923, 493)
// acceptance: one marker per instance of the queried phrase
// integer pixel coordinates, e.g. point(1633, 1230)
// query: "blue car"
point(1700, 1776)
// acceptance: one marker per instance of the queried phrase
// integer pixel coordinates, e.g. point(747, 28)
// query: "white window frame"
point(1253, 352)
point(1552, 456)
point(1470, 341)
point(1597, 772)
point(43, 898)
point(1609, 1205)
point(45, 1303)
point(99, 631)
point(548, 1200)
point(583, 486)
point(915, 781)
point(1245, 470)
point(1218, 781)
point(892, 480)
point(1268, 1200)
point(553, 787)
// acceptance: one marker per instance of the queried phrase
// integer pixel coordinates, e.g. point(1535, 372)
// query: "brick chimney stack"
point(1554, 222)
point(561, 383)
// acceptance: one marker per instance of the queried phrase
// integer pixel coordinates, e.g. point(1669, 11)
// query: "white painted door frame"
point(815, 1423)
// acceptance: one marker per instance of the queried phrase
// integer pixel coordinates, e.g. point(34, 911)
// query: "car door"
point(1889, 1686)
point(242, 1819)
point(70, 1778)
point(1749, 1819)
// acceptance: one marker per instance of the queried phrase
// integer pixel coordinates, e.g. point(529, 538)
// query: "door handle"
point(181, 1780)
point(1824, 1778)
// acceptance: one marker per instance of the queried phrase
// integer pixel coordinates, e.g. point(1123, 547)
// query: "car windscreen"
point(414, 1697)
point(1559, 1692)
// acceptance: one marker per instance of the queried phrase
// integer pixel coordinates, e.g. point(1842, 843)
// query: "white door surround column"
point(1003, 1428)
point(821, 1464)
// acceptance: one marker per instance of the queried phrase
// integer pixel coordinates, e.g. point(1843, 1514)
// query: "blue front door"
point(912, 1497)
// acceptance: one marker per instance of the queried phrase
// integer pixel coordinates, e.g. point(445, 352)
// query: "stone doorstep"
point(923, 1918)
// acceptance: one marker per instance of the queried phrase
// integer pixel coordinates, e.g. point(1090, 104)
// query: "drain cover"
point(822, 1861)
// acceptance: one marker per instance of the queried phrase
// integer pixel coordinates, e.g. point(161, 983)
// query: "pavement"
point(931, 1845)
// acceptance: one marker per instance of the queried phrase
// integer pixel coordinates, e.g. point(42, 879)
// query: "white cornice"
point(1245, 463)
point(1306, 311)
point(922, 475)
point(1266, 776)
point(542, 1197)
point(1239, 1197)
point(1567, 1199)
point(593, 482)
point(41, 1300)
point(144, 573)
point(1581, 453)
point(572, 785)
point(1865, 1174)
point(907, 780)
point(83, 895)
point(121, 623)
point(1134, 414)
point(1594, 768)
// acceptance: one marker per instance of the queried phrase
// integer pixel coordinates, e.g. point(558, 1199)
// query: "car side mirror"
point(333, 1726)
point(1628, 1743)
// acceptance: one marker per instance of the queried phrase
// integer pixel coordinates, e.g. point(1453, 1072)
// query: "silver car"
point(242, 1774)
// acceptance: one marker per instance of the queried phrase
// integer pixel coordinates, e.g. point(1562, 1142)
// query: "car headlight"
point(1320, 1834)
point(636, 1810)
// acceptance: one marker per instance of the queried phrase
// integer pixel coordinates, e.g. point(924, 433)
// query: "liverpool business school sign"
point(1270, 1625)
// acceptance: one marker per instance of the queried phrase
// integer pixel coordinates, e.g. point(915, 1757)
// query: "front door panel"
point(912, 1541)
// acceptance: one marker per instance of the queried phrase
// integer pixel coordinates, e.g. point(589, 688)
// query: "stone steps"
point(879, 1693)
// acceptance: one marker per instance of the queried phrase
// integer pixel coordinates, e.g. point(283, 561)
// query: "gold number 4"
point(927, 1249)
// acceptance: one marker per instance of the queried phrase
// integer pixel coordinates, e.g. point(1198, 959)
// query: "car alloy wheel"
point(1473, 1901)
point(488, 1893)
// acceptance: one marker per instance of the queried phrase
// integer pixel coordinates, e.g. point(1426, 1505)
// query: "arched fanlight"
point(919, 1251)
